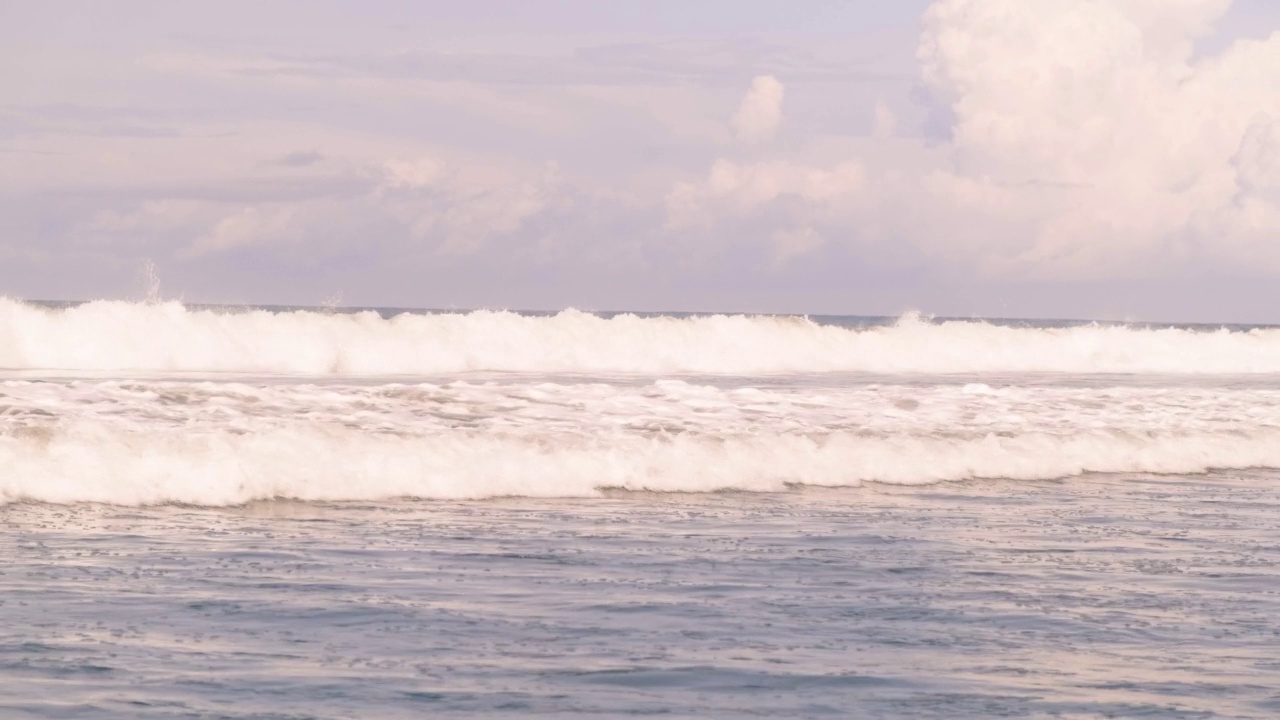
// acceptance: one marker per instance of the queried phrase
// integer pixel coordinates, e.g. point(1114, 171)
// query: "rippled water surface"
point(1096, 596)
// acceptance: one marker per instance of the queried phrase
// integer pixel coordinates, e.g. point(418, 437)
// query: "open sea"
point(214, 512)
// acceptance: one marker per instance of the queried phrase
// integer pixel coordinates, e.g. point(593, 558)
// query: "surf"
point(162, 337)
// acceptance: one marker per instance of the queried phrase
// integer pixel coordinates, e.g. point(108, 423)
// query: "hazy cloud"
point(760, 112)
point(299, 159)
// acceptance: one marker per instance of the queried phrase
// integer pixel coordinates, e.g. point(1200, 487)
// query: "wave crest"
point(170, 337)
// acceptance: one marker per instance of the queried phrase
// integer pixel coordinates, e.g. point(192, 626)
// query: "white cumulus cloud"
point(1118, 149)
point(1087, 140)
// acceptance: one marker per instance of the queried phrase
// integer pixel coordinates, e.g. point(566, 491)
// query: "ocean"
point(235, 512)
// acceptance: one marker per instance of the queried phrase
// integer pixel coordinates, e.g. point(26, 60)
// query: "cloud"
point(704, 61)
point(421, 204)
point(246, 227)
point(884, 122)
point(1094, 121)
point(760, 113)
point(793, 242)
point(743, 188)
point(407, 206)
point(461, 208)
point(781, 204)
point(1087, 141)
point(299, 159)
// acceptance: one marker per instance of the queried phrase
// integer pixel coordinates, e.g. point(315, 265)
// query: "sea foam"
point(99, 463)
point(136, 442)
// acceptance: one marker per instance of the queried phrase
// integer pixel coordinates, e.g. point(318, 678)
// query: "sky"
point(1109, 159)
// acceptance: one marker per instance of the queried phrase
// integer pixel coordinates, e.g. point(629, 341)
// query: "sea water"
point(238, 512)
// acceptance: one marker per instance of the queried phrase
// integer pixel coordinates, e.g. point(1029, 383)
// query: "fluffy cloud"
point(1086, 140)
point(1093, 118)
point(760, 113)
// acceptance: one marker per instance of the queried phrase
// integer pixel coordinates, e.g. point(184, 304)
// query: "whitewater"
point(171, 337)
point(155, 403)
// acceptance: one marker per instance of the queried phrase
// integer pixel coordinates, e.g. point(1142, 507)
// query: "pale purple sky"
point(1115, 159)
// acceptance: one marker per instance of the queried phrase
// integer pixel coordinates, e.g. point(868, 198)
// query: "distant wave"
point(96, 462)
point(169, 337)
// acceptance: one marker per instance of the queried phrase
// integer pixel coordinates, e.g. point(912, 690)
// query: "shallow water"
point(1096, 596)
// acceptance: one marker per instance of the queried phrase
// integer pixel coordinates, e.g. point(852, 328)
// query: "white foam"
point(219, 443)
point(101, 463)
point(168, 337)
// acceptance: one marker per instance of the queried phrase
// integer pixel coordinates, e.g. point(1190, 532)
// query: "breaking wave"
point(170, 337)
